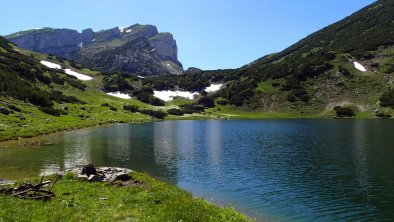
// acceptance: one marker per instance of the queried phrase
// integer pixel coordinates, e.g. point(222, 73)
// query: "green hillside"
point(316, 74)
point(35, 99)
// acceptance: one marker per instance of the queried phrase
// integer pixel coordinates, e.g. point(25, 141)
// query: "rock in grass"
point(89, 170)
point(95, 178)
point(4, 182)
point(122, 177)
point(83, 177)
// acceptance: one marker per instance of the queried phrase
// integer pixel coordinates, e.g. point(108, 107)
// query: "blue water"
point(279, 170)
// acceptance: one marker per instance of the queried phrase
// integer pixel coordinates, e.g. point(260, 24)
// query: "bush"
point(175, 112)
point(76, 83)
point(383, 115)
point(192, 108)
point(159, 114)
point(110, 107)
point(387, 99)
point(206, 102)
point(15, 108)
point(291, 97)
point(344, 111)
point(275, 84)
point(144, 97)
point(56, 78)
point(52, 111)
point(222, 102)
point(344, 71)
point(157, 102)
point(131, 108)
point(4, 111)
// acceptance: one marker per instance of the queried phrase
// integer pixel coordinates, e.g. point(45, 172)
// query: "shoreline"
point(139, 197)
point(180, 118)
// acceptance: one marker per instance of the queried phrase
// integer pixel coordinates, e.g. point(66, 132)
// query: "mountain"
point(349, 63)
point(138, 49)
point(36, 99)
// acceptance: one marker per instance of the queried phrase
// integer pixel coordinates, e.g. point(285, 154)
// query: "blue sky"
point(211, 34)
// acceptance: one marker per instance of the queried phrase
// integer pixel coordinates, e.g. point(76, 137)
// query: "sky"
point(210, 34)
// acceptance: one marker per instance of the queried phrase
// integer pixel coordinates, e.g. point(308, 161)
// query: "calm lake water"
point(280, 170)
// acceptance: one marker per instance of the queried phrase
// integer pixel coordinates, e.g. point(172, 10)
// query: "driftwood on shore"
point(30, 191)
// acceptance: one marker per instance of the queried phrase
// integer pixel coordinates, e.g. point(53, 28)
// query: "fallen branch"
point(30, 191)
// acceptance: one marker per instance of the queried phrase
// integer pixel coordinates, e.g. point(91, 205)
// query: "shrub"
point(56, 78)
point(52, 111)
point(144, 97)
point(387, 99)
point(291, 97)
point(110, 107)
point(131, 108)
point(44, 79)
point(15, 108)
point(344, 111)
point(383, 115)
point(159, 114)
point(344, 71)
point(206, 102)
point(192, 108)
point(4, 111)
point(175, 112)
point(222, 102)
point(275, 84)
point(157, 102)
point(76, 83)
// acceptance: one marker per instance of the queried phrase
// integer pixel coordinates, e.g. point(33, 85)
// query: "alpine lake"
point(271, 170)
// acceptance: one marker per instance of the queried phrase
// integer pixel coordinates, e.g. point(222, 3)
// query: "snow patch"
point(213, 88)
point(32, 29)
point(67, 71)
point(170, 95)
point(51, 65)
point(78, 75)
point(359, 67)
point(121, 29)
point(141, 77)
point(80, 45)
point(128, 31)
point(93, 40)
point(119, 95)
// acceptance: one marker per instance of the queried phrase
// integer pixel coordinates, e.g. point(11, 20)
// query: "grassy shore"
point(151, 200)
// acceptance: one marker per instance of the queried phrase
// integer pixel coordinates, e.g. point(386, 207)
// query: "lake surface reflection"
point(287, 170)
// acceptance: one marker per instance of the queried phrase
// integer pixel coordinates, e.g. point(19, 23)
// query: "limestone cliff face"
point(137, 49)
point(166, 47)
point(87, 36)
point(62, 42)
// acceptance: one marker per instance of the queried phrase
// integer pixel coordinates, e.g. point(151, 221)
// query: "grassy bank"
point(152, 200)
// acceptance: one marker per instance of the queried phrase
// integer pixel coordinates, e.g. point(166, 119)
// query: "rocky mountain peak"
point(105, 45)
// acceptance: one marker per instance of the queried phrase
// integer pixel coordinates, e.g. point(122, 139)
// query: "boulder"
point(95, 178)
point(89, 170)
point(122, 177)
point(83, 177)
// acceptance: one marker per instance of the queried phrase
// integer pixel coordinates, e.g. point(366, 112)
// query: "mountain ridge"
point(85, 46)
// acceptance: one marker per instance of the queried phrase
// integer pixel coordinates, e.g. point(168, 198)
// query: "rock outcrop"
point(61, 42)
point(166, 47)
point(138, 49)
